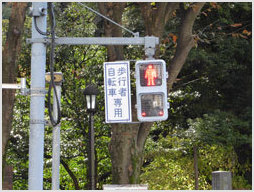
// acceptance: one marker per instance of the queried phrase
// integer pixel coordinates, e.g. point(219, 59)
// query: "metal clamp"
point(38, 40)
point(37, 92)
point(37, 121)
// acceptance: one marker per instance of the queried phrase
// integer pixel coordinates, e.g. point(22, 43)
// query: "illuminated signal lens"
point(152, 105)
point(161, 113)
point(150, 74)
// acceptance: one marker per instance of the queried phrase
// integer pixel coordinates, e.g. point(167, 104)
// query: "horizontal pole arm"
point(11, 86)
point(97, 40)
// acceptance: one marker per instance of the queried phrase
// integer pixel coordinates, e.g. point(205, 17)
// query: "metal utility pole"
point(58, 78)
point(37, 103)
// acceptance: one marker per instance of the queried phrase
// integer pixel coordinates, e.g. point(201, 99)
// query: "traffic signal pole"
point(37, 105)
point(37, 89)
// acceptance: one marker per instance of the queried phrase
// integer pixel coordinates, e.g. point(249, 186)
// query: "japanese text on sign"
point(117, 92)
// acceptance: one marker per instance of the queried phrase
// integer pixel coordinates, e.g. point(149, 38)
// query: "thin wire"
point(135, 34)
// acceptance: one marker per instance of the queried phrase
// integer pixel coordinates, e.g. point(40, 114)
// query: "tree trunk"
point(8, 177)
point(11, 49)
point(156, 17)
point(127, 140)
point(126, 148)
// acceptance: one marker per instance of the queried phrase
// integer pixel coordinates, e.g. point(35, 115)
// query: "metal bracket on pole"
point(150, 44)
point(21, 86)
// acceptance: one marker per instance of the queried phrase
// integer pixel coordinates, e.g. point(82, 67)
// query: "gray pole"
point(56, 141)
point(37, 105)
point(221, 180)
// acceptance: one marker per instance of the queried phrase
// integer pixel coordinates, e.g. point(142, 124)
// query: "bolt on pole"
point(37, 103)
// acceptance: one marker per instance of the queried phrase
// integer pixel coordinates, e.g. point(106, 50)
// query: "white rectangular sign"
point(117, 91)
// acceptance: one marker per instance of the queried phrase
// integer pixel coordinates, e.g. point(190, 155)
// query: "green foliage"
point(221, 128)
point(17, 149)
point(210, 102)
point(80, 66)
point(169, 168)
point(6, 10)
point(169, 164)
point(5, 23)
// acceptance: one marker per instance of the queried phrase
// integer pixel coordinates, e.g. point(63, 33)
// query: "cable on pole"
point(96, 12)
point(37, 28)
point(52, 55)
point(52, 82)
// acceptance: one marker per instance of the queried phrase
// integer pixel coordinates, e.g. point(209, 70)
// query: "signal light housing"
point(151, 90)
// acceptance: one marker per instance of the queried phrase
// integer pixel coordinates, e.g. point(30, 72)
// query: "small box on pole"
point(58, 77)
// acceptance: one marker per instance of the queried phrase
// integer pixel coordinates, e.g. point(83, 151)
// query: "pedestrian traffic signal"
point(151, 90)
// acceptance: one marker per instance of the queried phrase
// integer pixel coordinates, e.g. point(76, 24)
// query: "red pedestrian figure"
point(150, 75)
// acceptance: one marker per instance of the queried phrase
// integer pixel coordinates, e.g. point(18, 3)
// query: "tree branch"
point(185, 42)
point(170, 8)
